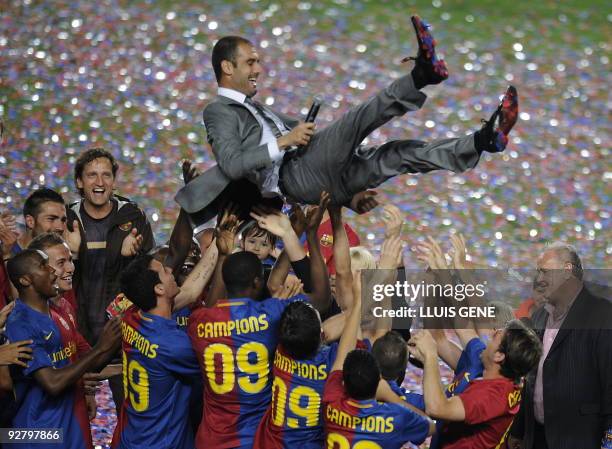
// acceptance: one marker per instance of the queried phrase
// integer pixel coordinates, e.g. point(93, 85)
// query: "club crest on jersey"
point(126, 226)
point(327, 240)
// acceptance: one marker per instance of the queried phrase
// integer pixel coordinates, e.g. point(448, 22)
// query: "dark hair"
point(138, 282)
point(300, 330)
point(21, 265)
point(225, 50)
point(239, 272)
point(392, 355)
point(252, 229)
point(37, 198)
point(360, 374)
point(522, 349)
point(45, 241)
point(89, 155)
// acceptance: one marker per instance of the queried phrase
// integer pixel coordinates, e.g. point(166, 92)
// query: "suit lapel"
point(572, 320)
point(230, 102)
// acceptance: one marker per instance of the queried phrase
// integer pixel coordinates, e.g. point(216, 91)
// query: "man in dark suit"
point(254, 144)
point(567, 400)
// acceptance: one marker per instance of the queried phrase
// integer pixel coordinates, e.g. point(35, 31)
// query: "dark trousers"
point(539, 437)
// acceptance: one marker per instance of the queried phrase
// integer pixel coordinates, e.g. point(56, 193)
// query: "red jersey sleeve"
point(334, 390)
point(485, 400)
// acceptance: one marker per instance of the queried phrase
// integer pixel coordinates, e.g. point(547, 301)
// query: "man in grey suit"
point(250, 142)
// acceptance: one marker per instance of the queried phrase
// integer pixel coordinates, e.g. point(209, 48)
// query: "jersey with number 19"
point(158, 363)
point(234, 342)
point(293, 419)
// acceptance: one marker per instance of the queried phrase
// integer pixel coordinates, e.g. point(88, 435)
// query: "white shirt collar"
point(231, 94)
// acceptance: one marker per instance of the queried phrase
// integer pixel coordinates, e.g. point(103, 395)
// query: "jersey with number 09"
point(294, 419)
point(367, 424)
point(158, 364)
point(234, 342)
point(51, 348)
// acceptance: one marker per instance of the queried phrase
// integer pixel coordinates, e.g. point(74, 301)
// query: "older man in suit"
point(251, 142)
point(568, 399)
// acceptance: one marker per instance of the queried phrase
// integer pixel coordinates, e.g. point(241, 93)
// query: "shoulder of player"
point(23, 324)
point(127, 208)
point(500, 386)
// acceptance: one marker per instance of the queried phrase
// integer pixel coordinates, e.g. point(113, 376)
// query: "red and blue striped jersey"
point(293, 418)
point(52, 347)
point(235, 342)
point(373, 424)
point(158, 365)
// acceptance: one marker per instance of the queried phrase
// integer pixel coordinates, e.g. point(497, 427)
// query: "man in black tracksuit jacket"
point(113, 230)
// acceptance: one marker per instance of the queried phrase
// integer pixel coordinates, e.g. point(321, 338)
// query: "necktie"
point(272, 123)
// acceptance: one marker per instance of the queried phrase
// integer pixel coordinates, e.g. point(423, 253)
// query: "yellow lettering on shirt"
point(136, 340)
point(234, 327)
point(297, 368)
point(372, 424)
point(65, 353)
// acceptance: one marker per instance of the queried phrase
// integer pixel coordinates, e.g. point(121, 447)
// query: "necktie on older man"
point(273, 122)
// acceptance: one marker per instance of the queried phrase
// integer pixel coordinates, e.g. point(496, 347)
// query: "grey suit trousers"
point(335, 162)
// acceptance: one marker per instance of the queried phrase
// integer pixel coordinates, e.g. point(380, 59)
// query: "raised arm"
point(226, 234)
point(321, 293)
point(431, 253)
point(423, 347)
point(348, 340)
point(280, 225)
point(197, 280)
point(281, 268)
point(342, 260)
point(180, 239)
point(55, 381)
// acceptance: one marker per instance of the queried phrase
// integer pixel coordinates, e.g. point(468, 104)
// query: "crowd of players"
point(247, 335)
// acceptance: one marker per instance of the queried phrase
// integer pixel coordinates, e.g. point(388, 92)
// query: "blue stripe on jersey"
point(38, 409)
point(159, 363)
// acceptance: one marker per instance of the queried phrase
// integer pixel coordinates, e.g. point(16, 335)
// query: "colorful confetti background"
point(133, 77)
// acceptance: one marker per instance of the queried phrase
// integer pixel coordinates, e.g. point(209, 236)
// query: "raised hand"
point(131, 243)
point(392, 217)
point(73, 238)
point(314, 214)
point(7, 237)
point(16, 353)
point(431, 253)
point(226, 230)
point(274, 222)
point(458, 252)
point(190, 171)
point(391, 253)
point(298, 219)
point(290, 288)
point(110, 338)
point(4, 313)
point(363, 202)
point(422, 345)
point(9, 220)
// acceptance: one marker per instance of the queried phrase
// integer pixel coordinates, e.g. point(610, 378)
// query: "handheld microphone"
point(314, 110)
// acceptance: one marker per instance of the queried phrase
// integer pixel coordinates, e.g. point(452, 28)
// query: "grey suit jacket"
point(234, 133)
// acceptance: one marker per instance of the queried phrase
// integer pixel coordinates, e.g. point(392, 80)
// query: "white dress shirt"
point(267, 178)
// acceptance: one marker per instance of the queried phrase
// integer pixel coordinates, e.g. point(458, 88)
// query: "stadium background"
point(133, 77)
